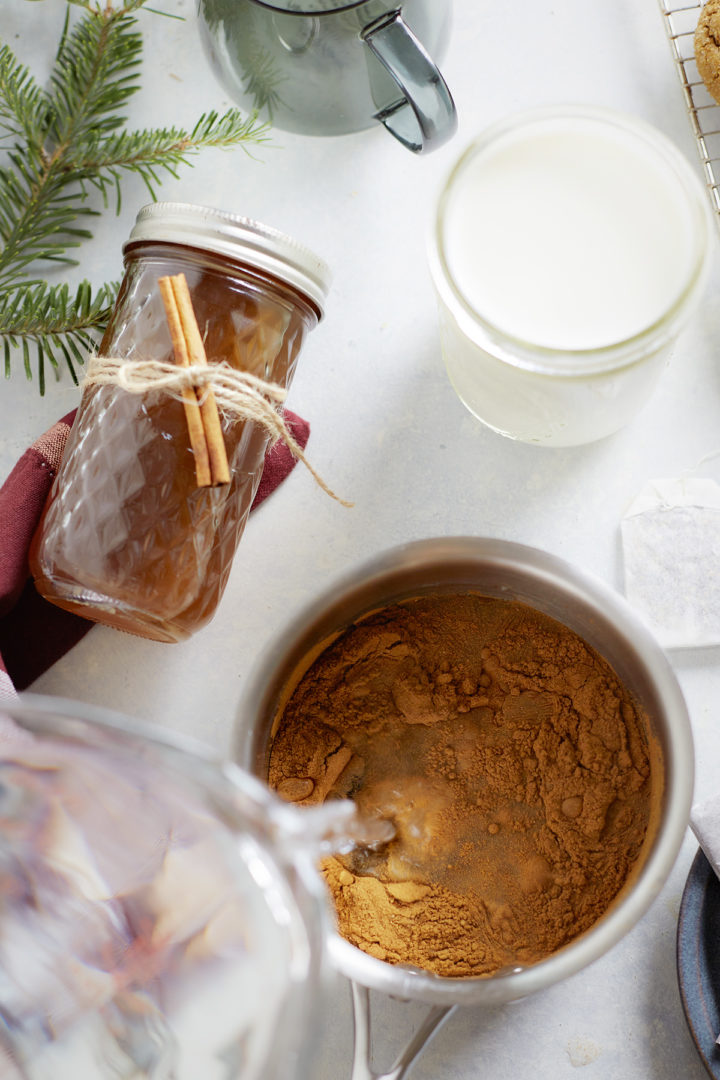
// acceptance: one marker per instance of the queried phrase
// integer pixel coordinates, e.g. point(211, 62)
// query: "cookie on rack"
point(707, 47)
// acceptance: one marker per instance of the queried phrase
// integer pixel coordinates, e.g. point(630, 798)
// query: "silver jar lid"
point(239, 238)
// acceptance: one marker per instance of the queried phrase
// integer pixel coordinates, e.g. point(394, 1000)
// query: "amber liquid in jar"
point(127, 538)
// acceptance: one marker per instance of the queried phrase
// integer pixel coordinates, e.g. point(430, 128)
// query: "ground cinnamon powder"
point(511, 760)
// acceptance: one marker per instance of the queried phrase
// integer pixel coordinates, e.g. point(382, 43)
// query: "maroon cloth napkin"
point(33, 633)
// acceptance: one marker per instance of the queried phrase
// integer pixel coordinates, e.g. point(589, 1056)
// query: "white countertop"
point(389, 433)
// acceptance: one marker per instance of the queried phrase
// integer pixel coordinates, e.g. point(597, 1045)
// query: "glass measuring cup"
point(160, 915)
point(324, 67)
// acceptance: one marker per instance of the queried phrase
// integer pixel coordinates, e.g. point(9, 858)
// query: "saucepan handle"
point(362, 1053)
point(424, 116)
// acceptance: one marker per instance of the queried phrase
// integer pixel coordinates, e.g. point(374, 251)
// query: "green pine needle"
point(54, 322)
point(60, 144)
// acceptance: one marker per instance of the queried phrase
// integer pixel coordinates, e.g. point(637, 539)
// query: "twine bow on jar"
point(203, 389)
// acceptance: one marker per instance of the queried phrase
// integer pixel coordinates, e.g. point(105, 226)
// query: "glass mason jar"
point(161, 912)
point(569, 248)
point(127, 538)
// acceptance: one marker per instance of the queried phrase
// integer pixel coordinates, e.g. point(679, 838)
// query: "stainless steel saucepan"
point(600, 616)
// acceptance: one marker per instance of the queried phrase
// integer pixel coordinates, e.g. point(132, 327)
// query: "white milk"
point(570, 247)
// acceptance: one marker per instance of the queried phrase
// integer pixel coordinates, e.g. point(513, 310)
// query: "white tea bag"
point(671, 550)
point(705, 823)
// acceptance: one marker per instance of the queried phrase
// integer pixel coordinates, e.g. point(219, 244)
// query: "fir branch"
point(24, 106)
point(61, 144)
point(89, 78)
point(262, 79)
point(96, 72)
point(55, 321)
point(101, 160)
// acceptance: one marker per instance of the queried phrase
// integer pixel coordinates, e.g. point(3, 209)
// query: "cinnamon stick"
point(219, 467)
point(201, 413)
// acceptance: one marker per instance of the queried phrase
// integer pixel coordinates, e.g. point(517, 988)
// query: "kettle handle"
point(362, 1066)
point(424, 117)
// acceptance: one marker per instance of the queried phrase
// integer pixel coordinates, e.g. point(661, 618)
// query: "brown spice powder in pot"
point(511, 760)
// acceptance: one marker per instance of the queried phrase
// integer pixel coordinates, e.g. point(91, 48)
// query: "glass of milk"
point(569, 248)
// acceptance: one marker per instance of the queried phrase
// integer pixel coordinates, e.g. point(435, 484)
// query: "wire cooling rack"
point(680, 22)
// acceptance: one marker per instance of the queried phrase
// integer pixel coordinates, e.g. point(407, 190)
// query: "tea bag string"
point(237, 393)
